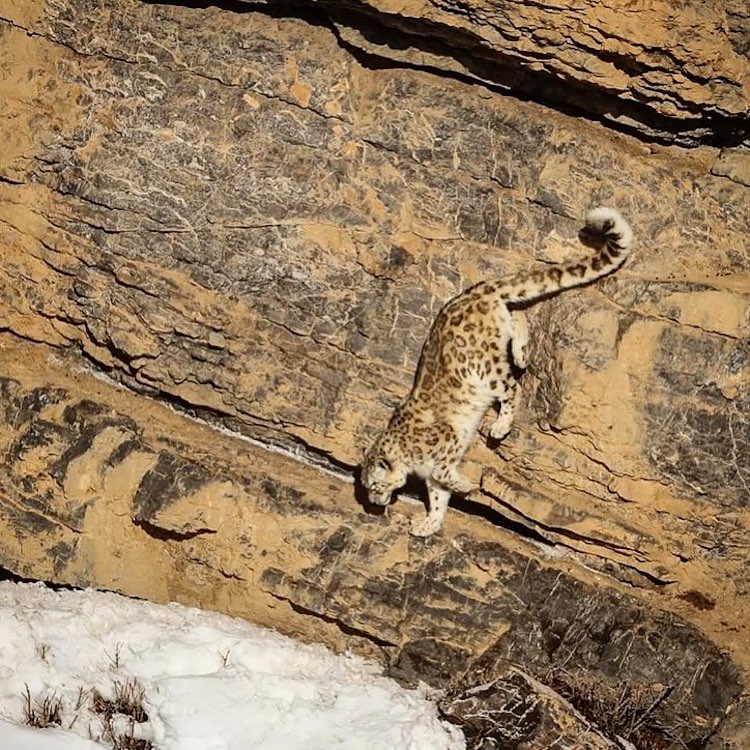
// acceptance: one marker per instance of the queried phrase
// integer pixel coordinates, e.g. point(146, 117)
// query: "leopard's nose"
point(379, 499)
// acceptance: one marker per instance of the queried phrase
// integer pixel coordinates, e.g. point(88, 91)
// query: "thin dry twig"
point(44, 713)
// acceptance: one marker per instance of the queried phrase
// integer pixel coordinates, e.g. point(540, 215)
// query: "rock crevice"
point(253, 217)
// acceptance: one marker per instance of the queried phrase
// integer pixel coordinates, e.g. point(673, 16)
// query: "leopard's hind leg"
point(507, 412)
point(519, 339)
point(509, 395)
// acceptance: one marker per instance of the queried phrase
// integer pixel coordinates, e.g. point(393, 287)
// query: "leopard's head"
point(381, 476)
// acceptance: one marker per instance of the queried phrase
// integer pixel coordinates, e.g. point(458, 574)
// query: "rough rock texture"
point(250, 216)
point(734, 732)
point(673, 70)
point(97, 490)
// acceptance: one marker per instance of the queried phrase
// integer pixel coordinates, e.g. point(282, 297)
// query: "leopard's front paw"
point(500, 428)
point(426, 526)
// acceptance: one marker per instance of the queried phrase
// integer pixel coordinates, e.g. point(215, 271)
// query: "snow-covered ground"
point(210, 682)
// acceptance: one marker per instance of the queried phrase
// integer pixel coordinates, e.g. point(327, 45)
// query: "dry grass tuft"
point(625, 711)
point(127, 699)
point(121, 714)
point(44, 713)
point(127, 702)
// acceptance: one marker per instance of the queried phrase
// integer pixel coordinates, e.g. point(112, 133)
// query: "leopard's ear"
point(384, 464)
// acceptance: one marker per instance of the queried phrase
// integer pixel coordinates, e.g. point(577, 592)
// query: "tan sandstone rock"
point(251, 218)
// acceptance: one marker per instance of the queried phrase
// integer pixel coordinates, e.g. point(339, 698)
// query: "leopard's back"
point(465, 364)
point(468, 362)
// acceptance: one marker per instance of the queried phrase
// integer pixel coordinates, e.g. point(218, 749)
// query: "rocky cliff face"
point(250, 214)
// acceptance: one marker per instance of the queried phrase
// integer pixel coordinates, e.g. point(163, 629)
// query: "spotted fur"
point(474, 350)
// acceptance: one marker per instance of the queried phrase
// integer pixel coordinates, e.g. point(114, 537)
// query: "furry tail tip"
point(610, 224)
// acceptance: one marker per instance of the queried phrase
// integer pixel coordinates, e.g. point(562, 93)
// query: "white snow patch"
point(211, 682)
point(14, 737)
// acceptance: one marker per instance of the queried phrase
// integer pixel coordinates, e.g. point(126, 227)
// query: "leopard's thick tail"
point(604, 226)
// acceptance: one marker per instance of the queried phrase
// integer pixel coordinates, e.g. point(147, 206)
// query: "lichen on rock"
point(243, 221)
